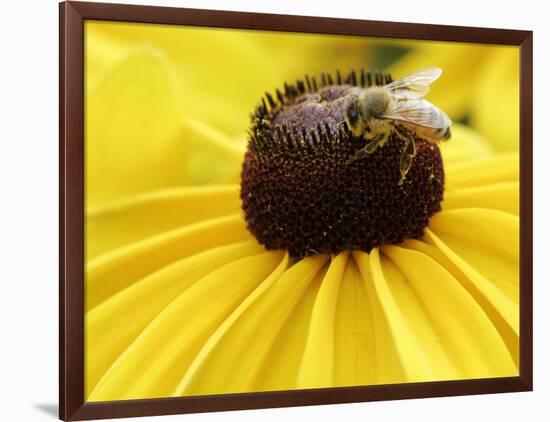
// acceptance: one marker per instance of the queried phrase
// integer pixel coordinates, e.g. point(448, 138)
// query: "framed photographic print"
point(266, 210)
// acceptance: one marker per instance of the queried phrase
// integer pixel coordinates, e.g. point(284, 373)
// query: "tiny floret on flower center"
point(301, 190)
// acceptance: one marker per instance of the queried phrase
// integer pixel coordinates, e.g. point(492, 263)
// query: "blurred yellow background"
point(168, 106)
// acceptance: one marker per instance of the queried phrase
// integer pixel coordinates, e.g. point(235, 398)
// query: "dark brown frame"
point(71, 204)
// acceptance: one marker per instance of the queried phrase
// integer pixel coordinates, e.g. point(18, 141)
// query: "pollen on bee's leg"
point(302, 191)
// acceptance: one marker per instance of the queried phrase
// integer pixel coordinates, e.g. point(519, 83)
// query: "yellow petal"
point(497, 169)
point(122, 222)
point(498, 196)
point(212, 156)
point(387, 364)
point(235, 354)
point(465, 144)
point(155, 362)
point(110, 273)
point(502, 311)
point(115, 323)
point(134, 140)
point(468, 337)
point(354, 343)
point(495, 100)
point(399, 353)
point(137, 140)
point(488, 240)
point(282, 364)
point(102, 54)
point(317, 368)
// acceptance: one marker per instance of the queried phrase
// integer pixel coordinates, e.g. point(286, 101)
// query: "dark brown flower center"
point(300, 192)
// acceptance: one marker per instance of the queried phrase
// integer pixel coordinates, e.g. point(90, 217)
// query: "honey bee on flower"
point(397, 107)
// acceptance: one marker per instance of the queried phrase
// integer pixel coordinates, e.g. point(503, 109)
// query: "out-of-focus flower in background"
point(182, 300)
point(480, 85)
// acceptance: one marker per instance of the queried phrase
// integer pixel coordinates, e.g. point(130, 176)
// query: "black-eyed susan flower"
point(311, 273)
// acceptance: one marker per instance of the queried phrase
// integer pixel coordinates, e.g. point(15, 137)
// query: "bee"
point(376, 112)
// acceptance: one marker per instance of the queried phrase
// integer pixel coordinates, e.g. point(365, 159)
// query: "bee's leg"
point(374, 144)
point(403, 133)
point(409, 150)
point(406, 159)
point(342, 129)
point(371, 146)
point(358, 156)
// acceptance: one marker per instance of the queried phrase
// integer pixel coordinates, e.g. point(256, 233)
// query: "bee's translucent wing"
point(419, 112)
point(415, 85)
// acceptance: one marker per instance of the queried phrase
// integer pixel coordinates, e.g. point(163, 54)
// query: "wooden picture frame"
point(71, 204)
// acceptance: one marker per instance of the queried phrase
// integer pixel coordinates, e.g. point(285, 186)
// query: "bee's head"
point(353, 116)
point(361, 109)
